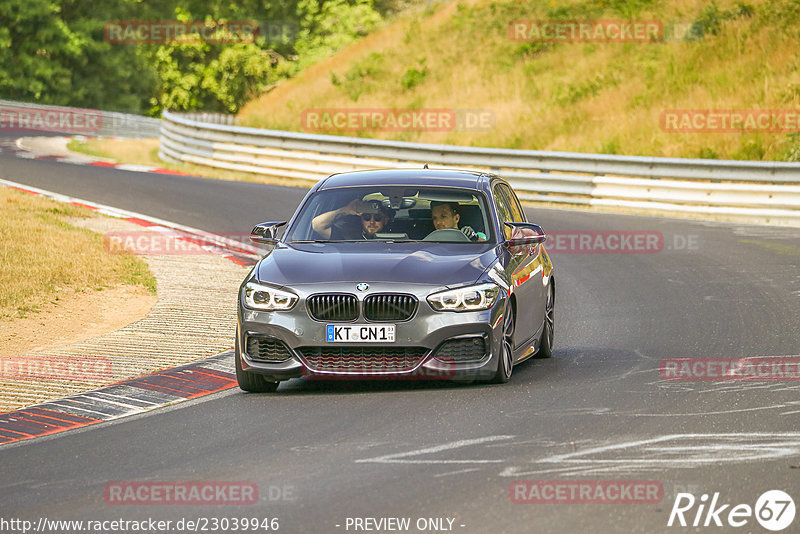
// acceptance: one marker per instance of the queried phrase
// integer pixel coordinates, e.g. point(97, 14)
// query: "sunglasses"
point(377, 217)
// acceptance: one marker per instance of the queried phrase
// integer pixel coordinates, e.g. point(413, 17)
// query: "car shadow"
point(311, 386)
point(561, 365)
point(567, 364)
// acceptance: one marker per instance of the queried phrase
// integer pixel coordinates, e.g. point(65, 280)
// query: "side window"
point(503, 210)
point(513, 204)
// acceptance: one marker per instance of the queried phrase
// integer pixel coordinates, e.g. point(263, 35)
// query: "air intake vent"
point(362, 360)
point(267, 349)
point(333, 307)
point(465, 350)
point(389, 307)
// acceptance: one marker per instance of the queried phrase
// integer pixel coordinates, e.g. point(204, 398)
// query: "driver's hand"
point(469, 232)
point(353, 208)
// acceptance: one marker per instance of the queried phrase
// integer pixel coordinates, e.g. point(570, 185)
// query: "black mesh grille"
point(389, 307)
point(333, 307)
point(362, 360)
point(267, 349)
point(471, 349)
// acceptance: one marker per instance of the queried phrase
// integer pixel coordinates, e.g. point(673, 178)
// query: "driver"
point(373, 216)
point(445, 215)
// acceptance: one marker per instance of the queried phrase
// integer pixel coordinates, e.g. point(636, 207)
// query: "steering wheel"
point(446, 234)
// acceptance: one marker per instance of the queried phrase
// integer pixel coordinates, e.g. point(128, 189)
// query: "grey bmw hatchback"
point(392, 274)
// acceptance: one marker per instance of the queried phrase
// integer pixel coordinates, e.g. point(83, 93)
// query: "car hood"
point(436, 264)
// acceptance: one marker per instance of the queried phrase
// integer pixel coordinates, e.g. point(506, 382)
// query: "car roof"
point(427, 177)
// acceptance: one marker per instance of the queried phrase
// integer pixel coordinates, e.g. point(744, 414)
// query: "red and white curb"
point(240, 253)
point(18, 150)
point(129, 397)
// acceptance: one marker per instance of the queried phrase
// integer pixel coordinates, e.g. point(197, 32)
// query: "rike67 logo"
point(774, 510)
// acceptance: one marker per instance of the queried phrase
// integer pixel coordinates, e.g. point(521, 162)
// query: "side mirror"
point(524, 236)
point(266, 232)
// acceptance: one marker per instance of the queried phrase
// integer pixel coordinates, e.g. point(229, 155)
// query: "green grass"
point(43, 255)
point(83, 147)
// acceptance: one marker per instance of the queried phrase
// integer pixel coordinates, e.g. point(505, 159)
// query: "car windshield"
point(393, 213)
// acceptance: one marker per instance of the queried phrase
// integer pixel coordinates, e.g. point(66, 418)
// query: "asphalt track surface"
point(323, 452)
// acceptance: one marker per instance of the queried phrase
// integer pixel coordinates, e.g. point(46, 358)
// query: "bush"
point(414, 77)
point(326, 27)
point(707, 153)
point(358, 79)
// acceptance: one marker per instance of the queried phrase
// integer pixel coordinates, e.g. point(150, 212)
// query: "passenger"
point(445, 215)
point(340, 223)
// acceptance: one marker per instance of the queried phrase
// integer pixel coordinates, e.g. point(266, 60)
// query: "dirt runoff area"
point(77, 316)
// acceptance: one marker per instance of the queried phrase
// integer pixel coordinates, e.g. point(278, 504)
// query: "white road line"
point(572, 456)
point(460, 471)
point(723, 412)
point(516, 471)
point(400, 458)
point(134, 168)
point(656, 454)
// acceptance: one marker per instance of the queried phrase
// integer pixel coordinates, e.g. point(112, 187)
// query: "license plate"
point(360, 333)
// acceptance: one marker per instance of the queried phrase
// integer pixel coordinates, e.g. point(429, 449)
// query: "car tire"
point(505, 363)
point(546, 341)
point(251, 382)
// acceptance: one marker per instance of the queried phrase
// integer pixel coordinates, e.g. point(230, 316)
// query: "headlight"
point(480, 297)
point(267, 298)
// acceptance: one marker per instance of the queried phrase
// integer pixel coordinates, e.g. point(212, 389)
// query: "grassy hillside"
point(602, 97)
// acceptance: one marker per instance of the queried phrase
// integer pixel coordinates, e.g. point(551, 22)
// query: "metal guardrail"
point(761, 191)
point(211, 118)
point(24, 117)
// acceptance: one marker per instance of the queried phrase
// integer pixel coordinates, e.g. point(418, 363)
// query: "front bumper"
point(460, 346)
